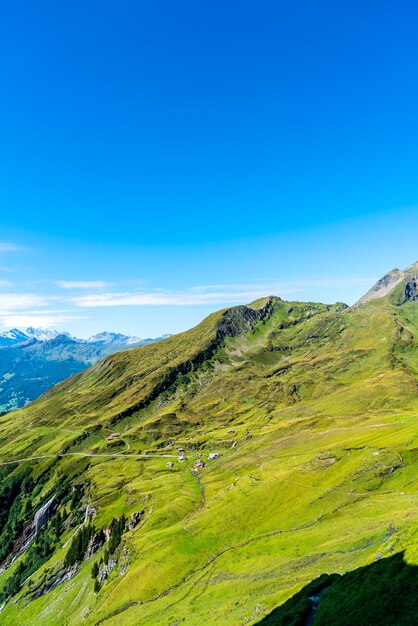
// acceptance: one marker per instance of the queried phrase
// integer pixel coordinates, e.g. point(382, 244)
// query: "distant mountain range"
point(15, 336)
point(34, 360)
point(260, 468)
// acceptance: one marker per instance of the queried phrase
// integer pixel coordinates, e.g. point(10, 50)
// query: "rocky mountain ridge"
point(399, 285)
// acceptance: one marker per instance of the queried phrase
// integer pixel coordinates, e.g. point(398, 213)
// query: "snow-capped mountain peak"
point(42, 334)
point(106, 338)
point(12, 337)
point(114, 341)
point(14, 333)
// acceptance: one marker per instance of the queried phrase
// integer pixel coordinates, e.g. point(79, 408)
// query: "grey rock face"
point(95, 543)
point(383, 286)
point(411, 290)
point(134, 519)
point(400, 285)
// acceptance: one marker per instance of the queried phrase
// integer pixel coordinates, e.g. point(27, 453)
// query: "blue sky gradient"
point(160, 160)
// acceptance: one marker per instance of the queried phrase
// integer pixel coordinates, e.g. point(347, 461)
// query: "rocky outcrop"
point(134, 520)
point(399, 285)
point(52, 581)
point(241, 319)
point(95, 543)
point(383, 286)
point(408, 293)
point(106, 568)
point(234, 322)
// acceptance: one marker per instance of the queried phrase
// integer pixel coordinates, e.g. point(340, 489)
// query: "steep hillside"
point(34, 361)
point(383, 593)
point(223, 469)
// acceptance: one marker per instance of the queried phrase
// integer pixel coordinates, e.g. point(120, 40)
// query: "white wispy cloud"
point(159, 298)
point(42, 319)
point(82, 284)
point(212, 294)
point(7, 247)
point(5, 283)
point(16, 301)
point(59, 308)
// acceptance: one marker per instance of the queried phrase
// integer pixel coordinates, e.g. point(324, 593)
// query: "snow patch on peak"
point(42, 334)
point(12, 337)
point(107, 338)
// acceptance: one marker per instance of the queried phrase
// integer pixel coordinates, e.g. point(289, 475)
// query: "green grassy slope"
point(384, 592)
point(28, 368)
point(313, 410)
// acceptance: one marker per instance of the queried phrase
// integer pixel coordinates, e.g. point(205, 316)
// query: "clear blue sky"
point(160, 159)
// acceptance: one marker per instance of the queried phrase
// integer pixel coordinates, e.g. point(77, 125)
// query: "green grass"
point(384, 593)
point(323, 404)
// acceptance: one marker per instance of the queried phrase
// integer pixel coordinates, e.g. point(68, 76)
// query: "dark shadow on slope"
point(384, 593)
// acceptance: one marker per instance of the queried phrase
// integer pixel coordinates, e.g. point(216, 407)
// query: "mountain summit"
point(110, 337)
point(399, 285)
point(214, 474)
point(42, 334)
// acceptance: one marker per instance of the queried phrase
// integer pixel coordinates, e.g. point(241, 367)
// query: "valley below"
point(210, 477)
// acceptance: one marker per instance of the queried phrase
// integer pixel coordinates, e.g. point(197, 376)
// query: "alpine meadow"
point(208, 368)
point(215, 476)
